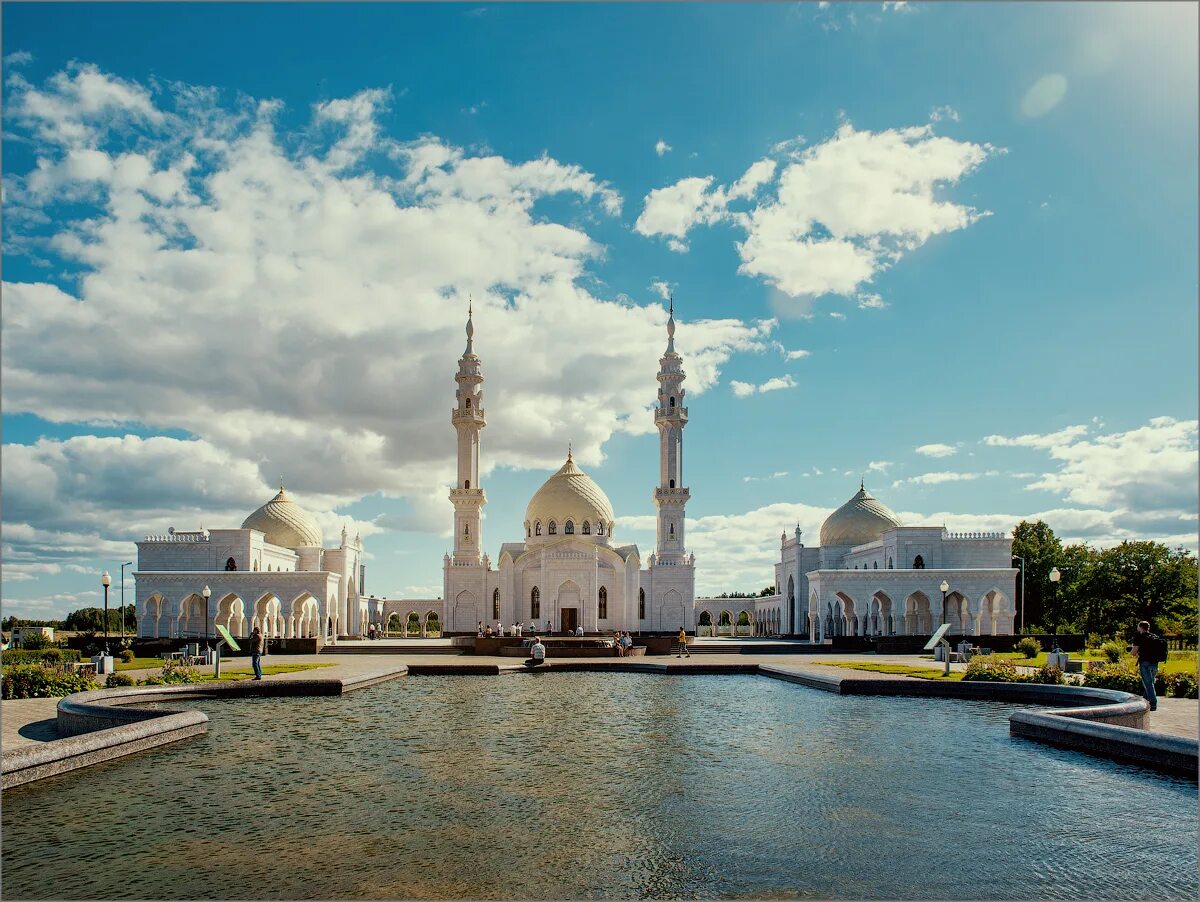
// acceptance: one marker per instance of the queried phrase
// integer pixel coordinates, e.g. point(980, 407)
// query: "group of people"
point(487, 631)
point(622, 642)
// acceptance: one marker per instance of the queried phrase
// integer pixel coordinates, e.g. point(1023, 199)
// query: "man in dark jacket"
point(1149, 650)
point(256, 651)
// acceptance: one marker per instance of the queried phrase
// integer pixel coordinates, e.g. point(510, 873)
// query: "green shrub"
point(1121, 676)
point(1095, 640)
point(990, 669)
point(172, 673)
point(1181, 685)
point(119, 679)
point(36, 681)
point(1112, 651)
point(1045, 674)
point(1029, 647)
point(126, 655)
point(53, 657)
point(34, 642)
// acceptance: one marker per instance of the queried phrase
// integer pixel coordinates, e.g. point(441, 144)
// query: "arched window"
point(468, 402)
point(231, 564)
point(569, 528)
point(467, 484)
point(672, 529)
point(587, 528)
point(641, 604)
point(528, 531)
point(535, 603)
point(875, 565)
point(672, 400)
point(672, 483)
point(467, 530)
point(553, 529)
point(537, 528)
point(600, 528)
point(268, 568)
point(603, 607)
point(256, 566)
point(918, 563)
point(890, 564)
point(496, 604)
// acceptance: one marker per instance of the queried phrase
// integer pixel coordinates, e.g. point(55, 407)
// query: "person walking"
point(1151, 650)
point(683, 649)
point(257, 643)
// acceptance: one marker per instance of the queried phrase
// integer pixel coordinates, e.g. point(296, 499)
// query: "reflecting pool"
point(602, 786)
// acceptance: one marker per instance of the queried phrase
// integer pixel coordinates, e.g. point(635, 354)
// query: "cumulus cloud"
point(1034, 440)
point(797, 354)
point(936, 449)
point(746, 389)
point(661, 147)
point(833, 216)
point(292, 300)
point(941, 477)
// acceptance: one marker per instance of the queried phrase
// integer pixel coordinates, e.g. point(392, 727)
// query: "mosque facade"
point(568, 569)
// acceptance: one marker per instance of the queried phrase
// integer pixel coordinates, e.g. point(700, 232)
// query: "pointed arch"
point(496, 604)
point(535, 604)
point(602, 604)
point(641, 604)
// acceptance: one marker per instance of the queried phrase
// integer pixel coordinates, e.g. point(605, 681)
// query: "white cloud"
point(778, 474)
point(1034, 440)
point(936, 449)
point(662, 147)
point(898, 6)
point(18, 58)
point(838, 213)
point(797, 355)
point(879, 466)
point(662, 289)
point(937, 478)
point(1044, 95)
point(834, 314)
point(871, 302)
point(949, 113)
point(266, 292)
point(746, 389)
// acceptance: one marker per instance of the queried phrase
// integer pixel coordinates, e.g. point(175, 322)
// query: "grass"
point(138, 664)
point(245, 673)
point(922, 673)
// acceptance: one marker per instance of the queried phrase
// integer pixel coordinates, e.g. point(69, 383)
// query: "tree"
point(1042, 550)
point(91, 620)
point(1148, 581)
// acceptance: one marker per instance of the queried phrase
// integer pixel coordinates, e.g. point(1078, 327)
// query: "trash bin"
point(1058, 659)
point(103, 662)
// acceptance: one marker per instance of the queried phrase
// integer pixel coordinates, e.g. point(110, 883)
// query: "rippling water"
point(602, 786)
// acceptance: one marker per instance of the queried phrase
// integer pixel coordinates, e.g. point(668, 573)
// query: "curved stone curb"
point(103, 724)
point(1101, 722)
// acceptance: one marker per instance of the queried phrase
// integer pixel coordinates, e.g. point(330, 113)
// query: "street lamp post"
point(1055, 576)
point(106, 581)
point(1022, 560)
point(123, 566)
point(945, 587)
point(207, 593)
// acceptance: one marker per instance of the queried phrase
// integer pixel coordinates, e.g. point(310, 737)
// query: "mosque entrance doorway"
point(570, 619)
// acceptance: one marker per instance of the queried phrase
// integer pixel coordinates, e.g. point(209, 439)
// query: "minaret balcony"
point(671, 413)
point(675, 496)
point(468, 415)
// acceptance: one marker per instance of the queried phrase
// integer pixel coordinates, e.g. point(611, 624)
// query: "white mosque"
point(869, 576)
point(567, 570)
point(274, 573)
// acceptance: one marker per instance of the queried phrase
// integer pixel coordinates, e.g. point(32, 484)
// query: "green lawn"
point(923, 673)
point(245, 673)
point(138, 664)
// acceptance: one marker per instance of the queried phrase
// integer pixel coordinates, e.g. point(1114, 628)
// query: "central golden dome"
point(860, 520)
point(570, 494)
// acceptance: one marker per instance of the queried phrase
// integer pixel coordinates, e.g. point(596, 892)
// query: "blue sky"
point(238, 239)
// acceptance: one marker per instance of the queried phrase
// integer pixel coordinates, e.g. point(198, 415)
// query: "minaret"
point(468, 419)
point(670, 417)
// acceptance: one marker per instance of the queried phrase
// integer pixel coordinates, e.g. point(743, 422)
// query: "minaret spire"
point(671, 325)
point(470, 326)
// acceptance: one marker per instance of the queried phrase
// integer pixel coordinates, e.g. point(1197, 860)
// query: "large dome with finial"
point(570, 494)
point(860, 520)
point(285, 523)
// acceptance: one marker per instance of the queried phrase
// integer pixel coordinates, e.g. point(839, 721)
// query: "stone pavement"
point(1176, 717)
point(27, 721)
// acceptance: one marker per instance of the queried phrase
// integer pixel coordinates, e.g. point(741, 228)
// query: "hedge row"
point(36, 681)
point(49, 656)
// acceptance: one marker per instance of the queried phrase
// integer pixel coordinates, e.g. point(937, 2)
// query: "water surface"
point(602, 786)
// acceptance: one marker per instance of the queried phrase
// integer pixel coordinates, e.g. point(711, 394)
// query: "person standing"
point(257, 644)
point(1151, 650)
point(683, 649)
point(579, 630)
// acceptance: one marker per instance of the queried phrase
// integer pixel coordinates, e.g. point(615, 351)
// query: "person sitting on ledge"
point(537, 653)
point(626, 643)
point(487, 631)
